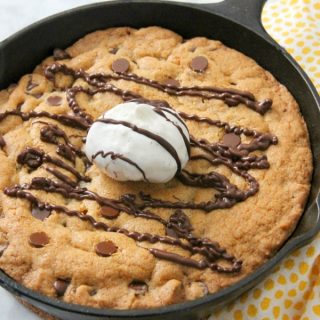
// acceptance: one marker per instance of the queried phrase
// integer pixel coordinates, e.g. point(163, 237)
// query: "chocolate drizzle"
point(34, 158)
point(121, 157)
point(209, 249)
point(230, 152)
point(163, 142)
point(231, 97)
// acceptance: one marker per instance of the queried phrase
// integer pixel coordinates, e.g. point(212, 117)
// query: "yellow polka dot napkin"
point(292, 291)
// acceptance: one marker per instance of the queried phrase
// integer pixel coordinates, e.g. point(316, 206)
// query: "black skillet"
point(234, 22)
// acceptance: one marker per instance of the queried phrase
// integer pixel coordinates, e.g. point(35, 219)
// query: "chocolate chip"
point(59, 54)
point(231, 140)
point(192, 49)
point(2, 141)
point(38, 239)
point(31, 84)
point(139, 287)
point(172, 82)
point(199, 64)
point(106, 248)
point(40, 214)
point(37, 95)
point(120, 65)
point(113, 50)
point(93, 292)
point(171, 233)
point(54, 101)
point(109, 212)
point(61, 286)
point(3, 247)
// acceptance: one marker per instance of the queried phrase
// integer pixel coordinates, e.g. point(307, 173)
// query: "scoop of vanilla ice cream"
point(137, 141)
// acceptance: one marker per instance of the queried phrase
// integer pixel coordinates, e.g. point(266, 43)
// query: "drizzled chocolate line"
point(231, 97)
point(62, 177)
point(237, 159)
point(67, 120)
point(163, 142)
point(34, 158)
point(231, 157)
point(202, 264)
point(179, 222)
point(72, 92)
point(226, 126)
point(121, 157)
point(125, 204)
point(211, 250)
point(160, 108)
point(51, 133)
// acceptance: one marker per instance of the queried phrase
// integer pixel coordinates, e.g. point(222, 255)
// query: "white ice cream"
point(150, 156)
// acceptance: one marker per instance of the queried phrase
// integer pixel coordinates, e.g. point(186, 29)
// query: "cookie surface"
point(64, 256)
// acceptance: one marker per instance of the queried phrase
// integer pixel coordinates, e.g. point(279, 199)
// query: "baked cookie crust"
point(66, 265)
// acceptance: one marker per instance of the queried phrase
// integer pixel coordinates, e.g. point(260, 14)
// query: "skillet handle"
point(244, 12)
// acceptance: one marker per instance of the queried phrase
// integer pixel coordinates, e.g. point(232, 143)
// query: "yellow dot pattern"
point(292, 291)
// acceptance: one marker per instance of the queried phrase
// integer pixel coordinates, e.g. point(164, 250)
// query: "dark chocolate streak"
point(34, 158)
point(237, 159)
point(71, 121)
point(209, 249)
point(163, 142)
point(161, 108)
point(231, 97)
point(121, 157)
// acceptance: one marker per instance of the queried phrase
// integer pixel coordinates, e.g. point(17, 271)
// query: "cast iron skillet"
point(234, 22)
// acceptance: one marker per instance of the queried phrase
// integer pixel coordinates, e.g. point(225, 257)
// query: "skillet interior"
point(20, 53)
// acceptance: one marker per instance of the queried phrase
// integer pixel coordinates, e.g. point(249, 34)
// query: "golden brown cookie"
point(249, 185)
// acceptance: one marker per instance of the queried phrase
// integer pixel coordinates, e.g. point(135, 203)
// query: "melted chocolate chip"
point(61, 286)
point(38, 239)
point(40, 214)
point(54, 101)
point(109, 212)
point(106, 248)
point(37, 95)
point(93, 292)
point(2, 141)
point(172, 83)
point(231, 140)
point(199, 64)
point(59, 54)
point(171, 233)
point(139, 287)
point(31, 85)
point(113, 50)
point(120, 65)
point(178, 227)
point(230, 96)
